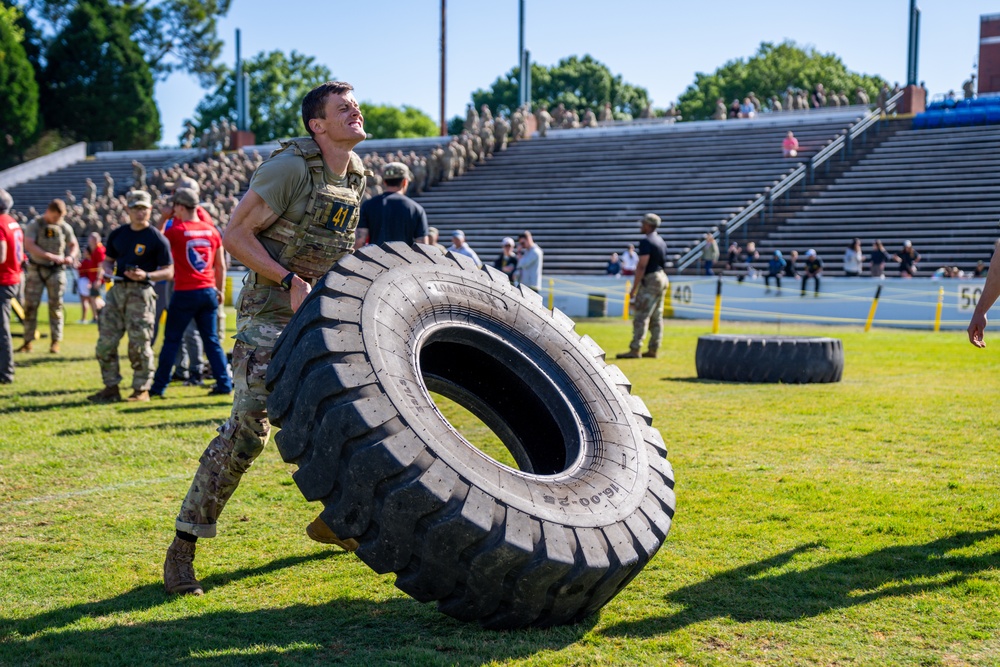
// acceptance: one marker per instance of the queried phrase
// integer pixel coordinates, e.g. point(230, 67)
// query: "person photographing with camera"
point(137, 255)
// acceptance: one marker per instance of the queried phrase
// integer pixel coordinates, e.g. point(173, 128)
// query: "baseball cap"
point(459, 234)
point(396, 170)
point(651, 219)
point(907, 244)
point(185, 197)
point(184, 182)
point(810, 253)
point(508, 241)
point(139, 199)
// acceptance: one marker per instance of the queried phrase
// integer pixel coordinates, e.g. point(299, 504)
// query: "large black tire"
point(544, 545)
point(787, 359)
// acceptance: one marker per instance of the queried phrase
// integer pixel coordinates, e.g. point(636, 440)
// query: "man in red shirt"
point(91, 277)
point(11, 257)
point(199, 276)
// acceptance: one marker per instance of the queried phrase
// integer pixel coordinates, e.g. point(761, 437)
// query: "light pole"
point(444, 119)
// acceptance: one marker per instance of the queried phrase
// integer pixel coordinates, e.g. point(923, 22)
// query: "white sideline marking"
point(87, 492)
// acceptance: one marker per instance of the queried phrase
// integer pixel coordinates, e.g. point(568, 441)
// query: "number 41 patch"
point(338, 214)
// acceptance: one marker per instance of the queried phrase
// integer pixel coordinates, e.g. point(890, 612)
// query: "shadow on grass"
point(11, 409)
point(693, 380)
point(111, 428)
point(748, 593)
point(20, 361)
point(46, 393)
point(355, 631)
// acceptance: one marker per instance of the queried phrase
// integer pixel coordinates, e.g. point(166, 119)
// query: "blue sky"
point(389, 49)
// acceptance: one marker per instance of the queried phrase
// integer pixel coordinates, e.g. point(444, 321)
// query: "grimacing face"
point(343, 121)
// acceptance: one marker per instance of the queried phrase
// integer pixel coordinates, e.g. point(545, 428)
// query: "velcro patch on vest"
point(335, 215)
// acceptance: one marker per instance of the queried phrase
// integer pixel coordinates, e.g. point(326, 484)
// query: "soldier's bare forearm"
point(251, 217)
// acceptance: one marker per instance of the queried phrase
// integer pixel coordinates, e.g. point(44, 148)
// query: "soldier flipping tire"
point(544, 545)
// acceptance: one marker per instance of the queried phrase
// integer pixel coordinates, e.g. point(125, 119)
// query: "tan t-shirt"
point(283, 182)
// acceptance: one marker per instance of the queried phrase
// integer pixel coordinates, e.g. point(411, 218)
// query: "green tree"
point(277, 85)
point(578, 83)
point(18, 88)
point(769, 72)
point(96, 85)
point(172, 34)
point(388, 122)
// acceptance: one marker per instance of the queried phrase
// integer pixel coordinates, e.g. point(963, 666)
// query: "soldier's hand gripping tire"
point(547, 544)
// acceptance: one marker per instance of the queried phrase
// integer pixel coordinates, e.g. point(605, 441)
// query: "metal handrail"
point(790, 179)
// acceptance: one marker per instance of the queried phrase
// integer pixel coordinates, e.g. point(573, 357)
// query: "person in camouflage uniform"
point(137, 256)
point(51, 246)
point(297, 219)
point(648, 290)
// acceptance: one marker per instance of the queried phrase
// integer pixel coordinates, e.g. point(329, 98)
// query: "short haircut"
point(525, 235)
point(393, 182)
point(58, 206)
point(6, 201)
point(314, 103)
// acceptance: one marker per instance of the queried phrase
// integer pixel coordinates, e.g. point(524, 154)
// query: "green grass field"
point(847, 524)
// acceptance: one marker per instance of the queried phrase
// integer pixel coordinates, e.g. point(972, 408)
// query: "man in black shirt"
point(140, 255)
point(392, 216)
point(648, 291)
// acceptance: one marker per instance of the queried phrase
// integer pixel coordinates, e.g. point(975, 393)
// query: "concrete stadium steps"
point(581, 192)
point(40, 191)
point(938, 188)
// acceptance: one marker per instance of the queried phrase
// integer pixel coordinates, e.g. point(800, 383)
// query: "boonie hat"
point(185, 197)
point(139, 199)
point(651, 219)
point(396, 170)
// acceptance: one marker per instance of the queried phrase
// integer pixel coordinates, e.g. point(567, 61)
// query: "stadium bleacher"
point(581, 192)
point(40, 191)
point(936, 187)
point(949, 113)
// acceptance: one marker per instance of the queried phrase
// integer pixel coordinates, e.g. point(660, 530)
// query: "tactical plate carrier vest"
point(313, 245)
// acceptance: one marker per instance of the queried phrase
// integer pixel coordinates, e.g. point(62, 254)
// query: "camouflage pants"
point(39, 279)
point(262, 313)
point(129, 309)
point(648, 310)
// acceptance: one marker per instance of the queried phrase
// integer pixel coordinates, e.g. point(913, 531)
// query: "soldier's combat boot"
point(54, 348)
point(631, 354)
point(319, 531)
point(106, 395)
point(26, 347)
point(178, 569)
point(649, 354)
point(138, 395)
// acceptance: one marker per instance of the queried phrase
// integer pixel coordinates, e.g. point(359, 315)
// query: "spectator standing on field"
point(137, 256)
point(991, 291)
point(507, 261)
point(877, 260)
point(853, 259)
point(51, 246)
point(11, 259)
point(392, 216)
point(91, 278)
point(529, 265)
point(630, 260)
point(710, 254)
point(199, 280)
point(648, 291)
point(907, 258)
point(459, 245)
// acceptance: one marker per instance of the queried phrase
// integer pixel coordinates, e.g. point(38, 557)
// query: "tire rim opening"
point(506, 392)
